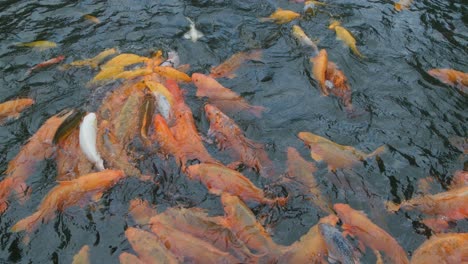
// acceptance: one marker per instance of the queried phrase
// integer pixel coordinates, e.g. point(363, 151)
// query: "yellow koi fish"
point(40, 44)
point(94, 62)
point(344, 35)
point(281, 16)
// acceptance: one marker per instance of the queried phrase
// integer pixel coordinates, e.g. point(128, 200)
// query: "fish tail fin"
point(265, 19)
point(256, 55)
point(257, 110)
point(378, 151)
point(392, 207)
point(27, 224)
point(398, 7)
point(357, 53)
point(281, 201)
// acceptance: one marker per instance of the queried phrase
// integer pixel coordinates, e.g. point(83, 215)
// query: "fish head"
point(309, 138)
point(344, 212)
point(334, 24)
point(199, 79)
point(193, 170)
point(213, 114)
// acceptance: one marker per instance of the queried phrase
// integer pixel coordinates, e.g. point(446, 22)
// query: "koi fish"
point(95, 61)
point(451, 77)
point(227, 68)
point(356, 223)
point(446, 206)
point(46, 63)
point(82, 257)
point(281, 16)
point(148, 247)
point(126, 123)
point(141, 211)
point(190, 248)
point(173, 60)
point(40, 44)
point(337, 156)
point(338, 246)
point(230, 136)
point(302, 171)
point(460, 179)
point(243, 223)
point(193, 34)
point(38, 148)
point(442, 248)
point(403, 4)
point(91, 18)
point(303, 39)
point(337, 84)
point(218, 179)
point(13, 108)
point(167, 143)
point(196, 222)
point(146, 117)
point(68, 194)
point(311, 247)
point(88, 133)
point(171, 73)
point(319, 70)
point(222, 97)
point(116, 66)
point(344, 35)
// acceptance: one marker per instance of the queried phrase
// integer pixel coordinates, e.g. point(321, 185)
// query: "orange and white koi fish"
point(305, 41)
point(281, 16)
point(356, 223)
point(344, 35)
point(443, 248)
point(13, 108)
point(229, 136)
point(451, 77)
point(224, 98)
point(82, 257)
point(46, 63)
point(228, 67)
point(68, 194)
point(38, 148)
point(218, 179)
point(148, 247)
point(337, 156)
point(302, 171)
point(403, 4)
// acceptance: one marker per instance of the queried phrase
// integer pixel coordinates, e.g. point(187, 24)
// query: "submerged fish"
point(218, 179)
point(443, 248)
point(222, 97)
point(446, 206)
point(38, 148)
point(243, 223)
point(337, 156)
point(40, 44)
point(82, 257)
point(95, 61)
point(403, 4)
point(230, 137)
point(338, 246)
point(344, 35)
point(281, 16)
point(451, 77)
point(91, 18)
point(228, 67)
point(67, 194)
point(357, 224)
point(88, 133)
point(193, 34)
point(46, 63)
point(127, 258)
point(303, 171)
point(305, 41)
point(13, 108)
point(148, 247)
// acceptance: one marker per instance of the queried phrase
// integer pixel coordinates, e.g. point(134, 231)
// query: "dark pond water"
point(414, 114)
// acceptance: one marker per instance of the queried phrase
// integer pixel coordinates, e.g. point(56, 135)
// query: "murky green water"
point(414, 114)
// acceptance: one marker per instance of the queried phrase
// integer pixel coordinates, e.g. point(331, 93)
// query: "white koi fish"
point(88, 132)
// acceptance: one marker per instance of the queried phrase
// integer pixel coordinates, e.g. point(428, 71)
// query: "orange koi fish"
point(443, 248)
point(223, 98)
point(190, 248)
point(141, 211)
point(82, 257)
point(227, 68)
point(319, 70)
point(91, 18)
point(357, 224)
point(46, 63)
point(13, 108)
point(451, 77)
point(337, 156)
point(167, 143)
point(196, 222)
point(218, 179)
point(446, 206)
point(68, 194)
point(171, 73)
point(242, 222)
point(230, 136)
point(302, 171)
point(403, 4)
point(281, 16)
point(148, 247)
point(38, 148)
point(311, 247)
